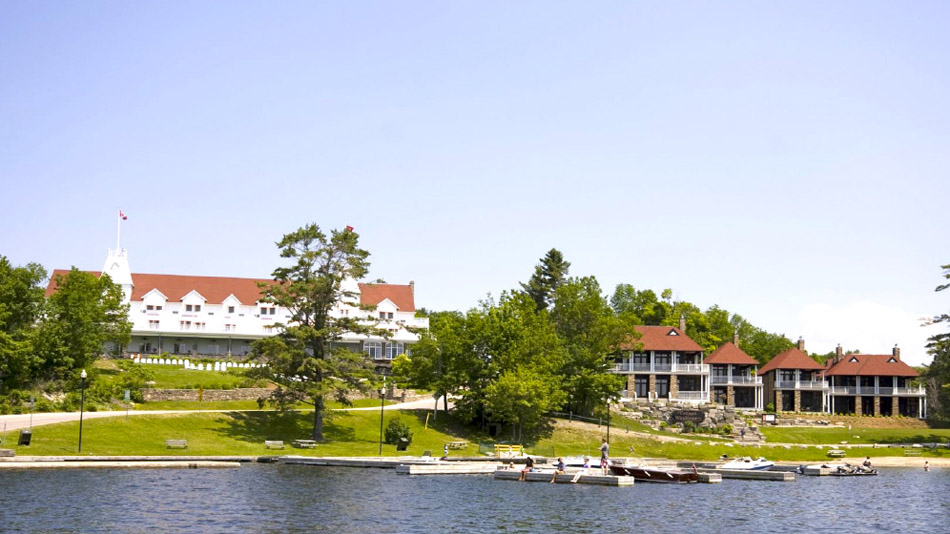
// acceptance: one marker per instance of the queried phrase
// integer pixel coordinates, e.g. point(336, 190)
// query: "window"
point(153, 325)
point(229, 328)
point(385, 315)
point(273, 310)
point(189, 307)
point(197, 307)
point(230, 309)
point(185, 325)
point(393, 350)
point(373, 349)
point(199, 326)
point(149, 307)
point(268, 311)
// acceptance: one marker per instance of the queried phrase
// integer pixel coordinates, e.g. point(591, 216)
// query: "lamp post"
point(382, 407)
point(82, 403)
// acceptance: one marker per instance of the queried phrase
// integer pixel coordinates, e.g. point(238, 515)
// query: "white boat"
point(748, 464)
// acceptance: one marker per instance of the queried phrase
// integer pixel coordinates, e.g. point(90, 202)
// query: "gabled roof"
point(870, 365)
point(663, 338)
point(213, 288)
point(730, 353)
point(400, 295)
point(793, 358)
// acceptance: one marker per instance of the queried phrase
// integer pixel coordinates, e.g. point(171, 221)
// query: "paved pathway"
point(16, 422)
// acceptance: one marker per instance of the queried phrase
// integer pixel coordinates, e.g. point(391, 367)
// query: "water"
point(296, 499)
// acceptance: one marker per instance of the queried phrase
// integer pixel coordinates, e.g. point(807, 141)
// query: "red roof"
point(217, 288)
point(793, 358)
point(663, 338)
point(870, 365)
point(730, 353)
point(400, 295)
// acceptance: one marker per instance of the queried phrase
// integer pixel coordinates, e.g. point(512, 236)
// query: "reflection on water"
point(291, 499)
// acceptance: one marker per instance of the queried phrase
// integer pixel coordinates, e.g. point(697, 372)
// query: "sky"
point(786, 161)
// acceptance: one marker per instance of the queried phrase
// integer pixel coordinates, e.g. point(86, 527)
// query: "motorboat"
point(668, 475)
point(748, 464)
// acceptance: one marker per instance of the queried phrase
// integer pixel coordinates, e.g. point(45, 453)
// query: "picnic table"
point(176, 444)
point(305, 444)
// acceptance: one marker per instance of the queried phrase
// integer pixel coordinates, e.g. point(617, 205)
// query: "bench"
point(274, 444)
point(912, 452)
point(176, 444)
point(305, 444)
point(456, 444)
point(508, 450)
point(836, 453)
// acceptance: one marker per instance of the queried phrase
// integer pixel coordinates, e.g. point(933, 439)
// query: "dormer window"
point(385, 315)
point(672, 333)
point(891, 360)
point(230, 309)
point(192, 307)
point(853, 360)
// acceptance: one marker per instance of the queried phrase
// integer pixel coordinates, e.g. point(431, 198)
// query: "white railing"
point(844, 390)
point(691, 396)
point(641, 367)
point(662, 367)
point(804, 384)
point(691, 368)
point(736, 380)
point(620, 368)
point(910, 391)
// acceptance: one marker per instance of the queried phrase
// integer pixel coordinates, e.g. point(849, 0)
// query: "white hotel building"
point(212, 316)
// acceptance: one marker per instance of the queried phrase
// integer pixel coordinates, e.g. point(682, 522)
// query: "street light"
point(382, 406)
point(82, 403)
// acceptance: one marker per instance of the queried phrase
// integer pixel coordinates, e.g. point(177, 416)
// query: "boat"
point(748, 464)
point(667, 475)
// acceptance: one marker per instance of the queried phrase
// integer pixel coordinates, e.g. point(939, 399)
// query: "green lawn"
point(172, 377)
point(814, 436)
point(237, 433)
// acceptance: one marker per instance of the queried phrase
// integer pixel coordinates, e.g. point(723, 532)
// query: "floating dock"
point(747, 474)
point(445, 468)
point(599, 480)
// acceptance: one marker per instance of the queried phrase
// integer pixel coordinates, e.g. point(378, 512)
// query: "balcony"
point(804, 384)
point(736, 380)
point(690, 396)
point(684, 368)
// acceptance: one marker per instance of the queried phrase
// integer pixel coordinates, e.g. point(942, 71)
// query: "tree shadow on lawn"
point(256, 427)
point(450, 425)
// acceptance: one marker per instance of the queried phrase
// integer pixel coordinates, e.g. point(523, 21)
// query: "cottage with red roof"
point(874, 384)
point(664, 364)
point(221, 316)
point(733, 378)
point(794, 382)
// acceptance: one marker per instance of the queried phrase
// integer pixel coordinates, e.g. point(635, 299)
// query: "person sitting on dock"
point(528, 467)
point(583, 471)
point(559, 469)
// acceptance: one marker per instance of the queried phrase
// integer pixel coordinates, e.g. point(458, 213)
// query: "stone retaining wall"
point(208, 395)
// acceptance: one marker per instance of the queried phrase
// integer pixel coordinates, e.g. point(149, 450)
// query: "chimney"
point(801, 343)
point(683, 323)
point(839, 353)
point(897, 352)
point(412, 287)
point(735, 338)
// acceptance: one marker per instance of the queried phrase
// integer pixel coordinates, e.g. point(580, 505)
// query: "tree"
point(522, 396)
point(305, 358)
point(548, 276)
point(82, 316)
point(590, 332)
point(937, 376)
point(438, 359)
point(21, 305)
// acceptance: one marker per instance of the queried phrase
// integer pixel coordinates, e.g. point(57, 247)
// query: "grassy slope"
point(812, 436)
point(357, 434)
point(235, 433)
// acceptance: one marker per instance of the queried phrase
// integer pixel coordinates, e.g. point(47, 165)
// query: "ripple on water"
point(296, 499)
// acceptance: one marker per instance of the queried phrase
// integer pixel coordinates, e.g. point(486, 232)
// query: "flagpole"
point(118, 229)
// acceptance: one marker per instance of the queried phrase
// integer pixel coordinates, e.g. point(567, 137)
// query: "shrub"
point(396, 430)
point(770, 407)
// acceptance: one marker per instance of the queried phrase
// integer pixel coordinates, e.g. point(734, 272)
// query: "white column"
point(877, 385)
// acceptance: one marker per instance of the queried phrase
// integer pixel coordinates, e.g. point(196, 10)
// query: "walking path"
point(20, 421)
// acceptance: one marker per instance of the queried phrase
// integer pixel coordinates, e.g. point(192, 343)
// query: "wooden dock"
point(599, 480)
point(746, 474)
point(445, 468)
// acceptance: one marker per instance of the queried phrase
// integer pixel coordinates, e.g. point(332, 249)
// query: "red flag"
point(123, 216)
point(349, 228)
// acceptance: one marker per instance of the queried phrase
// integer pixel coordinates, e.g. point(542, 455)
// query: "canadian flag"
point(349, 228)
point(123, 216)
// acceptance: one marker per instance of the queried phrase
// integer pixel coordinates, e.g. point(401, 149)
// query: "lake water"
point(259, 498)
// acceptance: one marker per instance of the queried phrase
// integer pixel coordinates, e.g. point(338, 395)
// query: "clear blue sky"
point(787, 161)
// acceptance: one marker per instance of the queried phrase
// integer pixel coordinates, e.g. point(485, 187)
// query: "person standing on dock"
point(604, 455)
